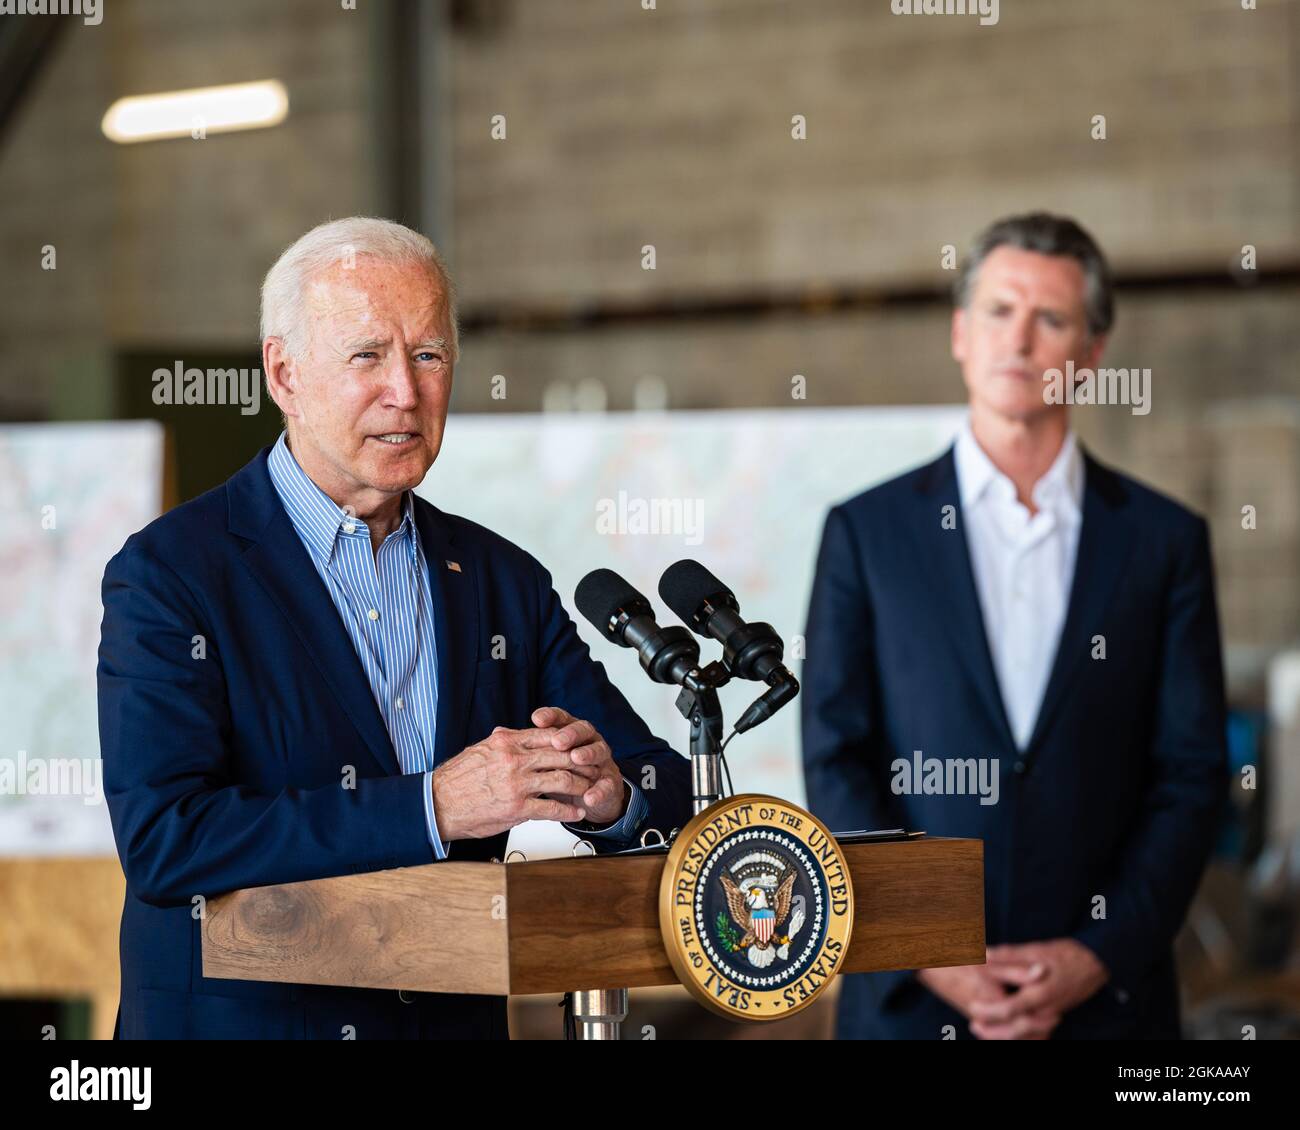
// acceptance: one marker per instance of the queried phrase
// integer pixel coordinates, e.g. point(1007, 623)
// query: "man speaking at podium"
point(309, 671)
point(1046, 625)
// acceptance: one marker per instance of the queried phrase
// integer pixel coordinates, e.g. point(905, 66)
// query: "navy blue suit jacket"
point(1117, 793)
point(227, 771)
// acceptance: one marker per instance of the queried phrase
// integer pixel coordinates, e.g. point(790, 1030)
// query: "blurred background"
point(683, 228)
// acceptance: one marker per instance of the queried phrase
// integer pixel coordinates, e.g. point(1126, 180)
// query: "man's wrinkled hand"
point(605, 798)
point(507, 778)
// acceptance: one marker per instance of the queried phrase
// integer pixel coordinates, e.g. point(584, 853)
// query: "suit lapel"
point(454, 590)
point(945, 557)
point(279, 562)
point(1104, 546)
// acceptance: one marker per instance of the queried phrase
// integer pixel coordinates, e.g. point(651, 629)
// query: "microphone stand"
point(699, 705)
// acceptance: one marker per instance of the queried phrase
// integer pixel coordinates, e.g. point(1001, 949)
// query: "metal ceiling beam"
point(26, 45)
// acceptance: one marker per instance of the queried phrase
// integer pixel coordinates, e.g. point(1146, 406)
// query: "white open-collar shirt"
point(1023, 568)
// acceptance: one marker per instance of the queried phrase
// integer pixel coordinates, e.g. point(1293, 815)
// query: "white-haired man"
point(350, 708)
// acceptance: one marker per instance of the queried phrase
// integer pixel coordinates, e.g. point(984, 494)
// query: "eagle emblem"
point(759, 906)
point(755, 907)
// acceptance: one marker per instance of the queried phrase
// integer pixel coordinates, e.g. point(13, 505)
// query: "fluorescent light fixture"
point(209, 109)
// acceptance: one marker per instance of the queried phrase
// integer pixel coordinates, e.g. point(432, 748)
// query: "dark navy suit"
point(227, 771)
point(1119, 789)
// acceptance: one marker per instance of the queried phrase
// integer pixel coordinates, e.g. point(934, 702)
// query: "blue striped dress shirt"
point(386, 605)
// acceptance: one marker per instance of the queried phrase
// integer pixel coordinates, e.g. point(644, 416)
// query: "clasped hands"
point(1023, 991)
point(558, 769)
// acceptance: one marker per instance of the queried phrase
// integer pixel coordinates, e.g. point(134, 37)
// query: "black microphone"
point(701, 601)
point(624, 616)
point(749, 651)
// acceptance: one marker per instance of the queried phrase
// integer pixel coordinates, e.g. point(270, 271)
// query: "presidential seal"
point(756, 907)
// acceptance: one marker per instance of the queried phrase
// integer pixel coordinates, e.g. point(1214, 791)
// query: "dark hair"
point(1048, 235)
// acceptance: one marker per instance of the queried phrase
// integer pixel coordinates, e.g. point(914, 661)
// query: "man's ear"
point(278, 368)
point(1092, 351)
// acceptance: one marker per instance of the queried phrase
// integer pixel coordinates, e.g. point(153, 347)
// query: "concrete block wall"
point(672, 127)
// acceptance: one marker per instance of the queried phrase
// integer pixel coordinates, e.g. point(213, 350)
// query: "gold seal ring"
point(755, 907)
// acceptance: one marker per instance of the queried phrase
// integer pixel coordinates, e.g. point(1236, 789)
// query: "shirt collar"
point(319, 520)
point(1061, 487)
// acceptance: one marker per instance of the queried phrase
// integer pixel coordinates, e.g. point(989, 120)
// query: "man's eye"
point(364, 353)
point(428, 354)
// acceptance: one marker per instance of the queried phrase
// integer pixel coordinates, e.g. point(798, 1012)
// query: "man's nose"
point(401, 389)
point(1021, 332)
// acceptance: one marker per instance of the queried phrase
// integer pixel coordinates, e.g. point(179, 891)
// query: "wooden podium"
point(561, 925)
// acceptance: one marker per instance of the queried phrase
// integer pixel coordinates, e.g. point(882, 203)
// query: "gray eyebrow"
point(365, 343)
point(374, 342)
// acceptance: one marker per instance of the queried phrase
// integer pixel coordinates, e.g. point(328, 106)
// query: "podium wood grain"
point(560, 924)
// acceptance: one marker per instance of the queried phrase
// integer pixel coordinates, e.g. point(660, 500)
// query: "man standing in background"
point(1018, 606)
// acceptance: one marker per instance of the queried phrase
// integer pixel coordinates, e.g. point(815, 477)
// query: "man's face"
point(1025, 315)
point(377, 362)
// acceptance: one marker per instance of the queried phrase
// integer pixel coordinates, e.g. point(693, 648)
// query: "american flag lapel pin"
point(454, 566)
